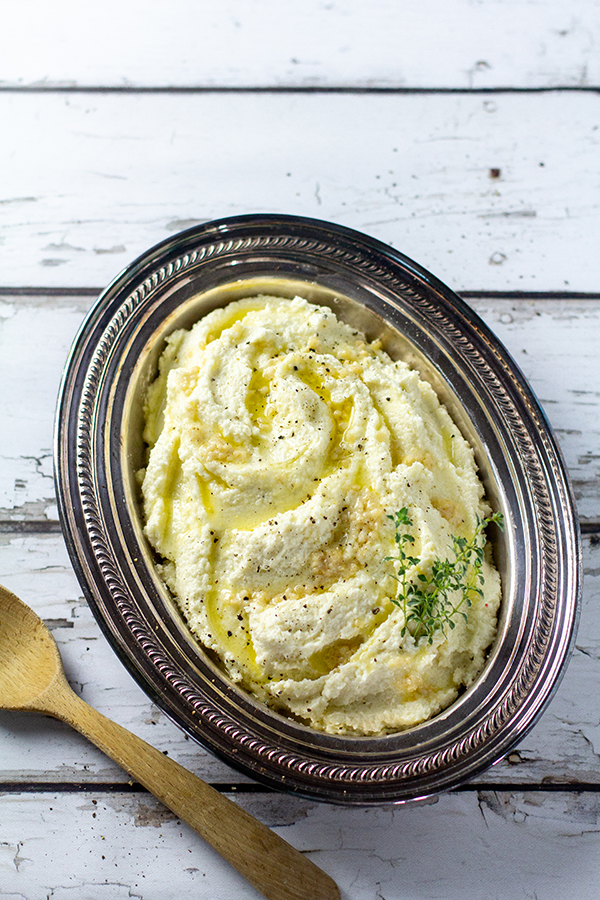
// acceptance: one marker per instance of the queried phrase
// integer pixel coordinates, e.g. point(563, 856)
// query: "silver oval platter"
point(99, 449)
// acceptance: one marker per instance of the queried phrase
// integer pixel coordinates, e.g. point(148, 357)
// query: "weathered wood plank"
point(489, 192)
point(116, 846)
point(544, 336)
point(564, 747)
point(555, 343)
point(435, 43)
point(35, 336)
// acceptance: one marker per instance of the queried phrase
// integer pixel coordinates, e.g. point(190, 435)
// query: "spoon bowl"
point(32, 678)
point(29, 659)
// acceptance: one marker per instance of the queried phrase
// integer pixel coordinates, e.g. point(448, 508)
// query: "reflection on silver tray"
point(99, 449)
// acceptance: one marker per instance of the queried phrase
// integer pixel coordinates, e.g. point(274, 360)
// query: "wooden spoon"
point(32, 678)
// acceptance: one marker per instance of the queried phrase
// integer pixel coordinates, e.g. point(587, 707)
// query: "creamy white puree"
point(280, 441)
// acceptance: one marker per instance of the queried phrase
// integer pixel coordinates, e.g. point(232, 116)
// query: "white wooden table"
point(466, 134)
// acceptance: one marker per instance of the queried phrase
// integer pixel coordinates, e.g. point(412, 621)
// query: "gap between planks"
point(133, 787)
point(49, 88)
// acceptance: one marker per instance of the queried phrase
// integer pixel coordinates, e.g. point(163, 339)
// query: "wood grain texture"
point(488, 192)
point(306, 43)
point(489, 845)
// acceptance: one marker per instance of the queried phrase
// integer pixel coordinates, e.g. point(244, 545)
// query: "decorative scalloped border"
point(420, 765)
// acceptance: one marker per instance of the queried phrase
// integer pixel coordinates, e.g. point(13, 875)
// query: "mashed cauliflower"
point(280, 443)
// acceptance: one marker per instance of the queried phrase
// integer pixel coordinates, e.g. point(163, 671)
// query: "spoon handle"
point(270, 864)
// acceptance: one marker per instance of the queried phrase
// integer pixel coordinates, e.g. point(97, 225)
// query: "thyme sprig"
point(430, 602)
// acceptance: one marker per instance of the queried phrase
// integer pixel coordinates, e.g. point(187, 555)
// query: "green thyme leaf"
point(431, 601)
